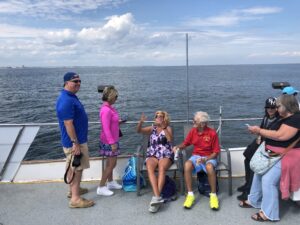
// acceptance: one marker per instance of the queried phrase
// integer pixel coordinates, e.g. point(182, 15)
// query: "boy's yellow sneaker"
point(189, 201)
point(214, 201)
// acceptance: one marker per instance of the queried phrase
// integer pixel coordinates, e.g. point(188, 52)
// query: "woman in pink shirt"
point(109, 140)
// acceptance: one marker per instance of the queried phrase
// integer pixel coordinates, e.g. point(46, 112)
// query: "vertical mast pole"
point(187, 77)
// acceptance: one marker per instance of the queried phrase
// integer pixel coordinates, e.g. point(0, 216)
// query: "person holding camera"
point(73, 123)
point(109, 140)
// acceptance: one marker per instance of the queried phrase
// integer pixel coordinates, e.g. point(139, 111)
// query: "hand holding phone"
point(124, 118)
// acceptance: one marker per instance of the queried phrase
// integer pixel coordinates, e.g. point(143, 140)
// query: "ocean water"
point(28, 95)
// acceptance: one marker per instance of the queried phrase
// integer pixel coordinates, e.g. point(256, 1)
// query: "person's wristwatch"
point(75, 141)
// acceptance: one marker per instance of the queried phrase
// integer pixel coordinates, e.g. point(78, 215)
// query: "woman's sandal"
point(244, 204)
point(258, 217)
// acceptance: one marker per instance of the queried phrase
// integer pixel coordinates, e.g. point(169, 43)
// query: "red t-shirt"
point(204, 143)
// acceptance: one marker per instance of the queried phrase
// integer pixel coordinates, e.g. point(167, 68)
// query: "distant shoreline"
point(68, 67)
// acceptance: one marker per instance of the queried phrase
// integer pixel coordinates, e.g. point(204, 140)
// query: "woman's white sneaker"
point(156, 201)
point(154, 208)
point(113, 185)
point(104, 191)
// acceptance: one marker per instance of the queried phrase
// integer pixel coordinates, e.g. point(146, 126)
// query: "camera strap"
point(67, 171)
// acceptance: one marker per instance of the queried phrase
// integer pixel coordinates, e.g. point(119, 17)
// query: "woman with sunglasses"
point(109, 140)
point(159, 154)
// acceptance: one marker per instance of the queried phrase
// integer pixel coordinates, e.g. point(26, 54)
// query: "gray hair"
point(201, 117)
point(289, 102)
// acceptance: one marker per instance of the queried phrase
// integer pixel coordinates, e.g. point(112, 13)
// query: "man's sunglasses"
point(75, 81)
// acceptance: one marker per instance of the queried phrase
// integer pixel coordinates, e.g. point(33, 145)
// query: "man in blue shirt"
point(73, 123)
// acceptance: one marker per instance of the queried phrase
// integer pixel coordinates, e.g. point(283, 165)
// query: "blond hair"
point(165, 116)
point(109, 94)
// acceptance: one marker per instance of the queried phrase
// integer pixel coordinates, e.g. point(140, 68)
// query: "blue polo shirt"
point(68, 107)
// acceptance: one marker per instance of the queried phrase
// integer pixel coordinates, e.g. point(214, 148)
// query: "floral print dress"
point(159, 147)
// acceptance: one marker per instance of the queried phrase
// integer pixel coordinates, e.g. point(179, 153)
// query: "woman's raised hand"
point(143, 118)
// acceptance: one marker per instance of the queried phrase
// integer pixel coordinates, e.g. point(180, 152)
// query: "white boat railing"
point(15, 140)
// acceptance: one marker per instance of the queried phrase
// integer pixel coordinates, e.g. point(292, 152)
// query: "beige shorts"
point(85, 159)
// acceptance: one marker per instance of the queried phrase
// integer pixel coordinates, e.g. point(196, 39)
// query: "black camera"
point(76, 160)
point(280, 85)
point(101, 87)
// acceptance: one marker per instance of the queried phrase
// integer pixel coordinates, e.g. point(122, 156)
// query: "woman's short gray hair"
point(201, 117)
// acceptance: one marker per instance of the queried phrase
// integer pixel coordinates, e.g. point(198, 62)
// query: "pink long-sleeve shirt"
point(109, 119)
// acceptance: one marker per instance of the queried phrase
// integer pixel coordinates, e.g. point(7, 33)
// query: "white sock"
point(191, 193)
point(213, 194)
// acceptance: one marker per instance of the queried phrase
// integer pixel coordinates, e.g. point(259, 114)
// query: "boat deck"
point(46, 203)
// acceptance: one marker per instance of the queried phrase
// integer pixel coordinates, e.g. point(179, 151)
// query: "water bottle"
point(176, 154)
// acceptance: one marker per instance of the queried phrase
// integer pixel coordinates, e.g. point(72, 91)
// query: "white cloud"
point(233, 17)
point(11, 31)
point(118, 36)
point(53, 9)
point(287, 53)
point(61, 38)
point(121, 40)
point(117, 27)
point(63, 34)
point(224, 20)
point(275, 54)
point(246, 40)
point(218, 34)
point(12, 7)
point(261, 10)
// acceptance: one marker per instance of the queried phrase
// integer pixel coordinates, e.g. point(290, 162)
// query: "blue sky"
point(148, 32)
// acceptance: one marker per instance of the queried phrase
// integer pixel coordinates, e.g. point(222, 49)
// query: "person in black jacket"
point(271, 116)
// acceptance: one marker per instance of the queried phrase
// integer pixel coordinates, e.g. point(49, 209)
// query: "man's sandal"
point(82, 203)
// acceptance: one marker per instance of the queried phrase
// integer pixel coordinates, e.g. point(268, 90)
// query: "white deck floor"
point(46, 203)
